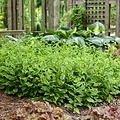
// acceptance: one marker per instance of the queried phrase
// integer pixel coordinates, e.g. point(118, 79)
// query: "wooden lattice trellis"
point(15, 15)
point(99, 10)
point(95, 11)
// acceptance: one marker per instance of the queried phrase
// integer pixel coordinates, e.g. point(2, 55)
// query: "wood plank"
point(32, 15)
point(112, 1)
point(51, 14)
point(107, 17)
point(54, 14)
point(95, 5)
point(44, 15)
point(12, 32)
point(118, 18)
point(69, 4)
point(21, 12)
point(14, 15)
point(96, 19)
point(73, 3)
point(111, 30)
point(79, 2)
point(95, 10)
point(9, 15)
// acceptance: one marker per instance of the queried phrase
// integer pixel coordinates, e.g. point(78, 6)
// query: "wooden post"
point(32, 15)
point(21, 14)
point(54, 14)
point(74, 3)
point(14, 15)
point(117, 17)
point(9, 14)
point(44, 15)
point(71, 4)
point(107, 16)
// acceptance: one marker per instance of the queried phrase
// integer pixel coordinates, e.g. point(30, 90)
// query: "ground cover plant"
point(61, 74)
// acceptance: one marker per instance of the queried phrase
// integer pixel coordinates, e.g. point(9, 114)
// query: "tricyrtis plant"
point(59, 74)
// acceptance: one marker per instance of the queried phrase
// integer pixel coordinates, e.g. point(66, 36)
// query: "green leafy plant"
point(94, 35)
point(62, 35)
point(59, 74)
point(97, 28)
point(76, 16)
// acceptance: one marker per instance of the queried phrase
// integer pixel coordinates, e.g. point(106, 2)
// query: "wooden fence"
point(97, 10)
point(50, 16)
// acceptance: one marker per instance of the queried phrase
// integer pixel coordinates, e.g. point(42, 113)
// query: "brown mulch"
point(10, 104)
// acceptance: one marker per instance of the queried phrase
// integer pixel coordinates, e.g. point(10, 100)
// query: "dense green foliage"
point(76, 16)
point(62, 74)
point(94, 35)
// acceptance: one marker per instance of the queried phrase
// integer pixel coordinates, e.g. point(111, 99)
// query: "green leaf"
point(70, 100)
point(106, 39)
point(76, 110)
point(97, 28)
point(2, 87)
point(15, 90)
point(89, 99)
point(117, 40)
point(50, 32)
point(29, 84)
point(97, 84)
point(72, 32)
point(78, 40)
point(66, 32)
point(96, 41)
point(71, 93)
point(64, 29)
point(50, 38)
point(62, 34)
point(68, 106)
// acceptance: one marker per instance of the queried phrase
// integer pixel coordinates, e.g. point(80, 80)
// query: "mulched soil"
point(10, 104)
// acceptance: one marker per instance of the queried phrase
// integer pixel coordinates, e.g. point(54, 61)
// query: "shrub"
point(59, 74)
point(76, 16)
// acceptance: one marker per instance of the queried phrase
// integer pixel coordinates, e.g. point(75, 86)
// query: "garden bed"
point(9, 105)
